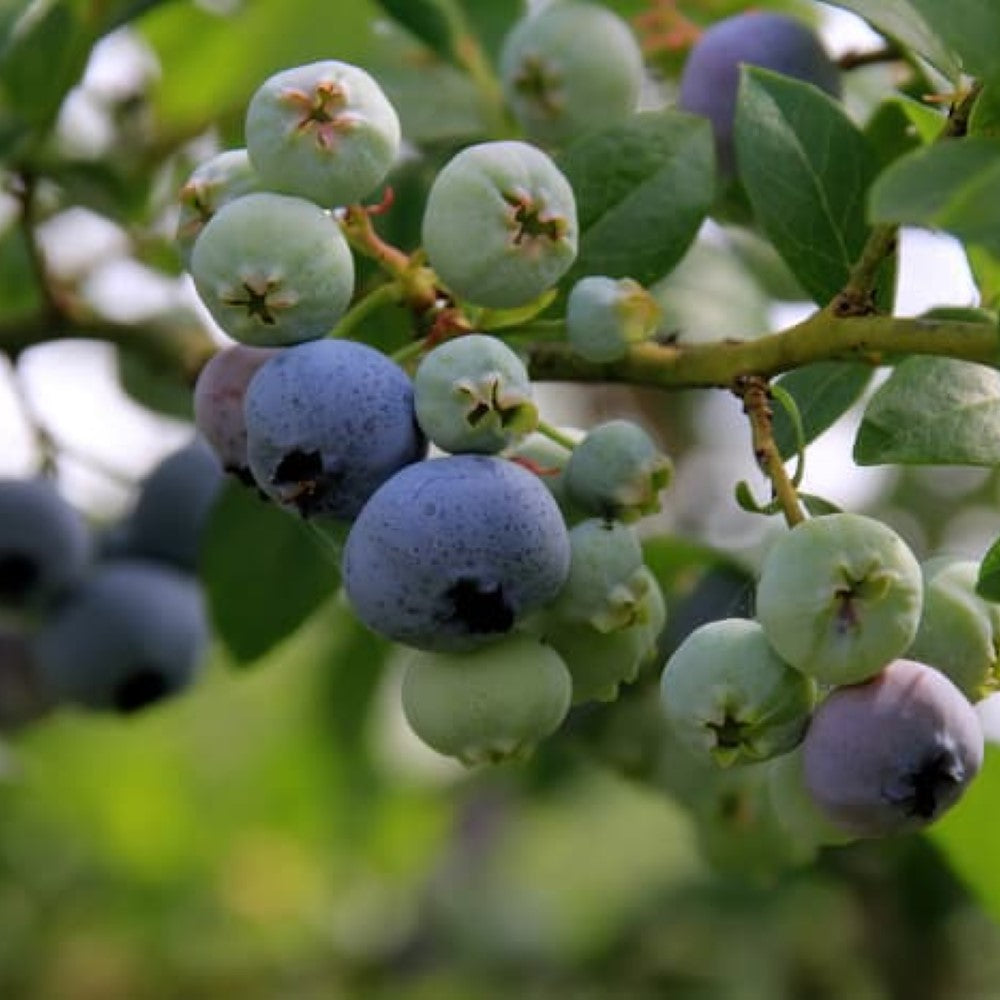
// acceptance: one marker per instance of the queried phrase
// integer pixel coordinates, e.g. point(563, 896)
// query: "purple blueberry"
point(711, 76)
point(327, 423)
point(218, 403)
point(454, 552)
point(134, 632)
point(892, 754)
point(45, 545)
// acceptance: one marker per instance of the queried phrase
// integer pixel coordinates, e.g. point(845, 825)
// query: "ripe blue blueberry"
point(132, 633)
point(776, 42)
point(172, 507)
point(454, 552)
point(45, 545)
point(327, 423)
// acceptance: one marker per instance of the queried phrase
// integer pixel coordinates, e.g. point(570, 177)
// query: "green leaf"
point(970, 27)
point(933, 411)
point(264, 574)
point(211, 65)
point(491, 22)
point(967, 834)
point(988, 584)
point(432, 21)
point(823, 392)
point(986, 271)
point(901, 21)
point(952, 185)
point(985, 118)
point(148, 384)
point(643, 189)
point(806, 169)
point(41, 59)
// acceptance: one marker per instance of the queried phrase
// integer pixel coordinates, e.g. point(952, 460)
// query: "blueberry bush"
point(498, 619)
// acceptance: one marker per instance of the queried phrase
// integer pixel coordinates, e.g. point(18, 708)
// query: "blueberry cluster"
point(108, 620)
point(861, 669)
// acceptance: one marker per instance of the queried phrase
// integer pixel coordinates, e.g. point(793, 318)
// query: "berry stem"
point(556, 435)
point(756, 396)
point(388, 294)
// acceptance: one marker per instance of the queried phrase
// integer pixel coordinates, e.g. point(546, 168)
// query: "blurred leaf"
point(19, 294)
point(41, 58)
point(212, 64)
point(953, 186)
point(435, 101)
point(765, 264)
point(985, 117)
point(988, 584)
point(492, 21)
point(966, 834)
point(823, 392)
point(901, 20)
point(263, 573)
point(432, 21)
point(642, 189)
point(148, 384)
point(806, 168)
point(970, 27)
point(986, 271)
point(933, 411)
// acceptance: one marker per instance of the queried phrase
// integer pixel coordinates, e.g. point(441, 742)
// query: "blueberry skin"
point(327, 423)
point(711, 76)
point(45, 545)
point(133, 633)
point(894, 753)
point(452, 553)
point(172, 507)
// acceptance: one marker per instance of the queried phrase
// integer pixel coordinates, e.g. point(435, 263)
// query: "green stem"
point(556, 435)
point(387, 294)
point(824, 336)
point(409, 353)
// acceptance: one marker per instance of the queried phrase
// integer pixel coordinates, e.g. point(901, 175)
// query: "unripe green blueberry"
point(569, 68)
point(548, 460)
point(323, 131)
point(731, 696)
point(655, 614)
point(500, 224)
point(473, 394)
point(604, 316)
point(215, 182)
point(273, 270)
point(892, 754)
point(618, 471)
point(490, 704)
point(599, 662)
point(606, 586)
point(839, 596)
point(959, 632)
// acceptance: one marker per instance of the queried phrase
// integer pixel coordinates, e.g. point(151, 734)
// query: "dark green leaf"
point(806, 168)
point(264, 572)
point(19, 293)
point(988, 584)
point(970, 27)
point(986, 270)
point(901, 21)
point(148, 384)
point(985, 118)
point(491, 22)
point(818, 506)
point(41, 59)
point(823, 392)
point(933, 411)
point(952, 185)
point(432, 21)
point(643, 189)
